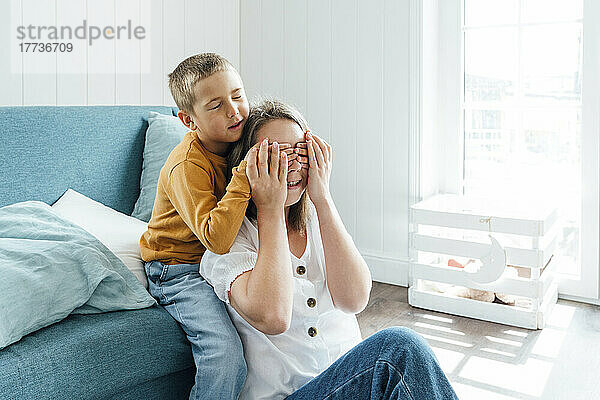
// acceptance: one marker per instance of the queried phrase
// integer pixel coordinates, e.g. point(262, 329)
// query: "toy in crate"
point(485, 260)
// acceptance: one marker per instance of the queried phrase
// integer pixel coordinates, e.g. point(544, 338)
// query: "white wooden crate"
point(452, 226)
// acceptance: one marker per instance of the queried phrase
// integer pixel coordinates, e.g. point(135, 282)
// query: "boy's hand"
point(301, 152)
point(288, 149)
point(319, 170)
point(267, 174)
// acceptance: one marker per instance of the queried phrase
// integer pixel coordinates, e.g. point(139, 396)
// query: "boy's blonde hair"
point(189, 72)
point(262, 112)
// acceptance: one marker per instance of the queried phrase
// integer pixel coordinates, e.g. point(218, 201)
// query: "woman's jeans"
point(395, 363)
point(216, 345)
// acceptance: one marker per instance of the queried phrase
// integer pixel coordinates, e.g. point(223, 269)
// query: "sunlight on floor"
point(438, 328)
point(499, 352)
point(561, 316)
point(448, 359)
point(468, 392)
point(548, 343)
point(507, 364)
point(504, 341)
point(435, 318)
point(528, 378)
point(445, 340)
point(515, 333)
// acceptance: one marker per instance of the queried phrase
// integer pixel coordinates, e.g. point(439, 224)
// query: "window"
point(522, 107)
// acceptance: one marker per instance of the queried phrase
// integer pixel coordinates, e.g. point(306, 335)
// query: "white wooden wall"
point(345, 63)
point(112, 71)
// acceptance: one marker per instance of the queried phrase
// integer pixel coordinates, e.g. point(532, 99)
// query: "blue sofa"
point(140, 354)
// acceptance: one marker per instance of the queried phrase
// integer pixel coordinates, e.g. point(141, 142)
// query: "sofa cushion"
point(117, 231)
point(52, 267)
point(96, 150)
point(163, 134)
point(121, 354)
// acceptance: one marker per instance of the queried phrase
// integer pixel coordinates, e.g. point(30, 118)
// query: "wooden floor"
point(487, 361)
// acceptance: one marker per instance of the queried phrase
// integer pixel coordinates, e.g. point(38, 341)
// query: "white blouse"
point(319, 333)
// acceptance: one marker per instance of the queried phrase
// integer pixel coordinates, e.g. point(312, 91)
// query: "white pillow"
point(120, 233)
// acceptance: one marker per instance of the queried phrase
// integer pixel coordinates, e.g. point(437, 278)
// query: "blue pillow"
point(52, 267)
point(163, 134)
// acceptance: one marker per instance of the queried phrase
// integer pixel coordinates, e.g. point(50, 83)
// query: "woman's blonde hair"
point(261, 112)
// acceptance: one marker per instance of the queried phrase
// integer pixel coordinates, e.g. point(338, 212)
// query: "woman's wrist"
point(270, 213)
point(324, 201)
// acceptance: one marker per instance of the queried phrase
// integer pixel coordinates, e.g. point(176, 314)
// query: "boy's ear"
point(187, 120)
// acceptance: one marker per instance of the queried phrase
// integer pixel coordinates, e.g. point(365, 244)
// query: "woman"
point(293, 281)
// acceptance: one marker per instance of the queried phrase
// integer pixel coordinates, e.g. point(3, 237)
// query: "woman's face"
point(284, 131)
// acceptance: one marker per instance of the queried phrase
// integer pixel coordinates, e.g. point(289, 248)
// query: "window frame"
point(445, 143)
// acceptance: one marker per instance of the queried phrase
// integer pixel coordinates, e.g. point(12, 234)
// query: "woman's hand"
point(301, 153)
point(251, 153)
point(267, 170)
point(319, 168)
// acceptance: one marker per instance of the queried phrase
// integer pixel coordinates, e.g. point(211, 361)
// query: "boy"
point(195, 211)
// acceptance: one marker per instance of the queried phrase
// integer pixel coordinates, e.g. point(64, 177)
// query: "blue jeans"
point(395, 363)
point(216, 345)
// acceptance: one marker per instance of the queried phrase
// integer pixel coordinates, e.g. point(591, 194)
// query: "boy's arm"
point(216, 224)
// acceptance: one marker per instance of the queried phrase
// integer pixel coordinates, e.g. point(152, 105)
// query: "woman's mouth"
point(294, 184)
point(236, 126)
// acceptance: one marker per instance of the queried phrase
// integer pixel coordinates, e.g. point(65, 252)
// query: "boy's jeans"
point(216, 345)
point(395, 363)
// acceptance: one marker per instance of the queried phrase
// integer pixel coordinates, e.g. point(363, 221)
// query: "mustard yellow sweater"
point(194, 210)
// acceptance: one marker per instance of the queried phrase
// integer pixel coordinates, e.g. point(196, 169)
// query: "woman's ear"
point(187, 120)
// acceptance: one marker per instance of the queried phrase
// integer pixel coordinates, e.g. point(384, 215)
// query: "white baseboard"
point(579, 299)
point(388, 270)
